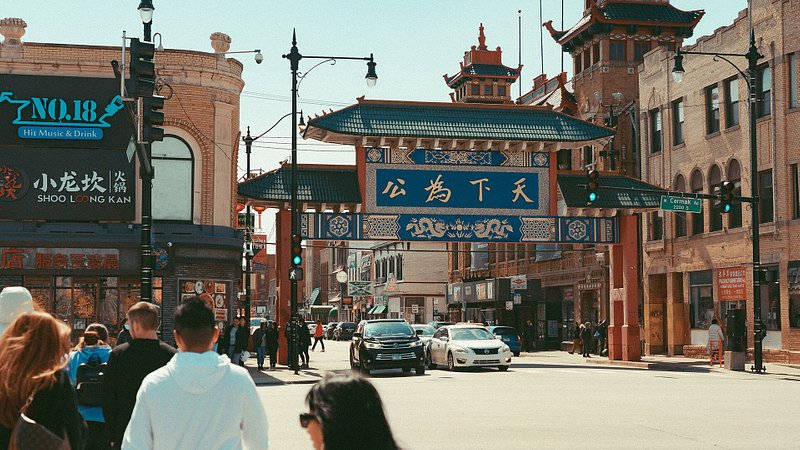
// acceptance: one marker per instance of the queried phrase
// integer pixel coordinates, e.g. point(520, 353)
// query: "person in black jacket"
point(586, 338)
point(272, 344)
point(31, 366)
point(128, 365)
point(234, 340)
point(260, 343)
point(124, 335)
point(304, 341)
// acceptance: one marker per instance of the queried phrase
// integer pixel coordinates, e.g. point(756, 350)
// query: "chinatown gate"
point(457, 172)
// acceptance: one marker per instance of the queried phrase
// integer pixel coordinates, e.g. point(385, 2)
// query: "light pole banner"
point(452, 228)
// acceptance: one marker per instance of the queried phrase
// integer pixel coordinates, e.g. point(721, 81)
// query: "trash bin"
point(735, 332)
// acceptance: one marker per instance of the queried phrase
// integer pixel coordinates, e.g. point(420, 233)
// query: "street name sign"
point(682, 204)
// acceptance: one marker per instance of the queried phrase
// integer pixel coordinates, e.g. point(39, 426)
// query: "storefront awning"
point(321, 309)
point(333, 312)
point(379, 310)
point(371, 310)
point(314, 299)
point(335, 299)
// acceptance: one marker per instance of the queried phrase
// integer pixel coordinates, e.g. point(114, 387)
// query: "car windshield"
point(387, 329)
point(348, 326)
point(255, 322)
point(470, 334)
point(505, 330)
point(427, 330)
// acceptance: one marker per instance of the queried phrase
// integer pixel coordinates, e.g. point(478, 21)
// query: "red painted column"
point(623, 331)
point(283, 253)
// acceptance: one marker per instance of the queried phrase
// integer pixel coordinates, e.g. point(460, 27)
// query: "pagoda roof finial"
point(481, 38)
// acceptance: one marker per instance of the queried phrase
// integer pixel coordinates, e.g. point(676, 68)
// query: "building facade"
point(70, 230)
point(695, 137)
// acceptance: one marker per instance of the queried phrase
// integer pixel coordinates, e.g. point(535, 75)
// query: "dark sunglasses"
point(305, 418)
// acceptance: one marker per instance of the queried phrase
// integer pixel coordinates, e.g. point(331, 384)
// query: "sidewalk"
point(335, 360)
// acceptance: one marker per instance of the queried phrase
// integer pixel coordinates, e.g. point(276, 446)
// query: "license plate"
point(395, 357)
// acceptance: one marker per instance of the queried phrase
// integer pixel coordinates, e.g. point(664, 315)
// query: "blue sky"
point(415, 42)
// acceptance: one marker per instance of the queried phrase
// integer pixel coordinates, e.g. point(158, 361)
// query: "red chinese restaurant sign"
point(732, 283)
point(59, 258)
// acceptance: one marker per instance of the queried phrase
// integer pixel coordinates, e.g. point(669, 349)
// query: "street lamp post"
point(294, 56)
point(752, 55)
point(146, 289)
point(612, 122)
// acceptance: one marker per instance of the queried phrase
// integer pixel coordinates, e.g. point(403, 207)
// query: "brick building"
point(82, 262)
point(696, 136)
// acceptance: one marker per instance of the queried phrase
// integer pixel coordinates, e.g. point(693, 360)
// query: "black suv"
point(344, 331)
point(386, 344)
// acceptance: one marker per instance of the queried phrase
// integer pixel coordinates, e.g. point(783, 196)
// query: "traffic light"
point(297, 250)
point(726, 197)
point(592, 185)
point(143, 71)
point(152, 117)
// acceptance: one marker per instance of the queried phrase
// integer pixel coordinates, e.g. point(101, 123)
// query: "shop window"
point(616, 50)
point(731, 102)
point(726, 306)
point(399, 267)
point(656, 226)
point(794, 311)
point(765, 194)
point(735, 177)
point(791, 61)
point(173, 186)
point(712, 109)
point(577, 64)
point(487, 90)
point(639, 49)
point(564, 159)
point(763, 91)
point(596, 53)
point(41, 289)
point(793, 279)
point(501, 91)
point(587, 58)
point(698, 219)
point(714, 188)
point(677, 122)
point(588, 156)
point(701, 308)
point(655, 130)
point(476, 90)
point(771, 300)
point(680, 217)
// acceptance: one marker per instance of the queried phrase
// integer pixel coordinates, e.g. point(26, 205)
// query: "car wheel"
point(429, 361)
point(406, 369)
point(502, 368)
point(420, 370)
point(451, 364)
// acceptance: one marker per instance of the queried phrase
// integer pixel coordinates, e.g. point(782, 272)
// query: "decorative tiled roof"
point(648, 13)
point(457, 121)
point(314, 184)
point(485, 70)
point(573, 190)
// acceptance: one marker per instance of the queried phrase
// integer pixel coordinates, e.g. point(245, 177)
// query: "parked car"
point(438, 324)
point(425, 332)
point(344, 331)
point(330, 330)
point(509, 336)
point(386, 344)
point(467, 346)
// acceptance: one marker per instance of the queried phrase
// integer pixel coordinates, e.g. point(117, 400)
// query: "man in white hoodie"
point(199, 399)
point(14, 301)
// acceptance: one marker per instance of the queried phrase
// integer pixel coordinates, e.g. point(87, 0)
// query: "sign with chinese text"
point(732, 283)
point(79, 259)
point(62, 184)
point(452, 228)
point(62, 112)
point(437, 181)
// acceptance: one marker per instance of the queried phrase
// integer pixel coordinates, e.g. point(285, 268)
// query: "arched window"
point(173, 185)
point(735, 177)
point(715, 187)
point(680, 217)
point(698, 226)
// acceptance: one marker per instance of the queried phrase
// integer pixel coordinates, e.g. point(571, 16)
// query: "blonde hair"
point(32, 351)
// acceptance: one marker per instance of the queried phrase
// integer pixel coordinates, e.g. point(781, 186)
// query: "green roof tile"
point(458, 121)
point(319, 185)
point(574, 192)
point(648, 13)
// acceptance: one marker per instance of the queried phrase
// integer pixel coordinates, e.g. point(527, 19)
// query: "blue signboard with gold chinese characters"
point(62, 112)
point(458, 228)
point(455, 182)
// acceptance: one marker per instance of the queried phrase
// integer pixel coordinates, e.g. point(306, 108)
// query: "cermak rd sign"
point(682, 204)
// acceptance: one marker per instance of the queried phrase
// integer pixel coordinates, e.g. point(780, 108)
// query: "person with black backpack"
point(87, 363)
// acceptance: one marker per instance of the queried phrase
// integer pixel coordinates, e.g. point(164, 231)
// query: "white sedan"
point(467, 346)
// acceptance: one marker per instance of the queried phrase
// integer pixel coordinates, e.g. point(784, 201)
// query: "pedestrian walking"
point(198, 400)
point(260, 343)
point(304, 341)
point(86, 365)
point(33, 353)
point(14, 301)
point(715, 334)
point(335, 404)
point(128, 364)
point(234, 341)
point(318, 336)
point(586, 338)
point(600, 336)
point(576, 339)
point(272, 344)
point(125, 334)
point(528, 335)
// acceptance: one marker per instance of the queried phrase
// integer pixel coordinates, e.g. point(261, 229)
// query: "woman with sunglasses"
point(337, 403)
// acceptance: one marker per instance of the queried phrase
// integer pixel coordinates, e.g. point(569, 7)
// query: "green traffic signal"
point(592, 185)
point(726, 197)
point(297, 250)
